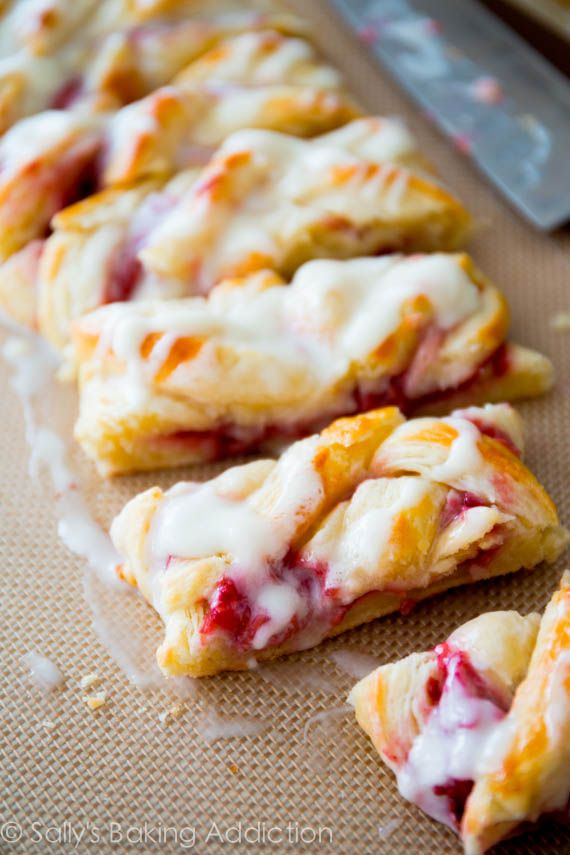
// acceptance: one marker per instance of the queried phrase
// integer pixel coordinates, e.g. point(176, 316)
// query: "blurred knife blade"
point(489, 91)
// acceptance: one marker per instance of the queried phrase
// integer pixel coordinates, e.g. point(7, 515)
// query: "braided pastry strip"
point(96, 254)
point(478, 730)
point(167, 383)
point(361, 520)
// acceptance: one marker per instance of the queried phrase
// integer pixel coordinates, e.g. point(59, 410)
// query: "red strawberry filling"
point(232, 611)
point(394, 394)
point(456, 793)
point(456, 505)
point(495, 432)
point(125, 270)
point(454, 669)
point(455, 664)
point(67, 94)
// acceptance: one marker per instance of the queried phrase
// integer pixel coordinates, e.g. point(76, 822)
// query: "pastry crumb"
point(560, 322)
point(233, 768)
point(168, 716)
point(89, 681)
point(95, 701)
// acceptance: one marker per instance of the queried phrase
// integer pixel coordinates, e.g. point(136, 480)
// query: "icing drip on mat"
point(44, 673)
point(34, 365)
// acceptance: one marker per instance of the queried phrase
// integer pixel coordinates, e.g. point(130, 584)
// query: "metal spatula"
point(487, 89)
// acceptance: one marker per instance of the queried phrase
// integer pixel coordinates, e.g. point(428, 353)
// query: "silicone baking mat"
point(120, 779)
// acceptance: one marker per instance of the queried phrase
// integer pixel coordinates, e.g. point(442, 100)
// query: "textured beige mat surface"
point(109, 775)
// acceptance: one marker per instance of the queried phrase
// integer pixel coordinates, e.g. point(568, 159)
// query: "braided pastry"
point(103, 54)
point(83, 263)
point(166, 383)
point(478, 730)
point(361, 520)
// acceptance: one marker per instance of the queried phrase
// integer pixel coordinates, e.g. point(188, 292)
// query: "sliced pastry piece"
point(478, 729)
point(185, 381)
point(259, 79)
point(274, 556)
point(114, 51)
point(525, 773)
point(271, 200)
point(65, 294)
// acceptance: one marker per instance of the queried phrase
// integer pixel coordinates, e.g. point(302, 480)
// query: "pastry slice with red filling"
point(164, 383)
point(83, 263)
point(361, 520)
point(478, 729)
point(261, 58)
point(259, 79)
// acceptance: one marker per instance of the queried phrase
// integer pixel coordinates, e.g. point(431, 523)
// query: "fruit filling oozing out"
point(464, 709)
point(297, 594)
point(294, 597)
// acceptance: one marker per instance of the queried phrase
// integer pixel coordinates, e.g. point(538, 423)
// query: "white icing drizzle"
point(332, 316)
point(200, 522)
point(296, 677)
point(449, 748)
point(354, 662)
point(281, 602)
point(325, 716)
point(320, 730)
point(214, 726)
point(387, 830)
point(34, 365)
point(464, 455)
point(45, 673)
point(204, 520)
